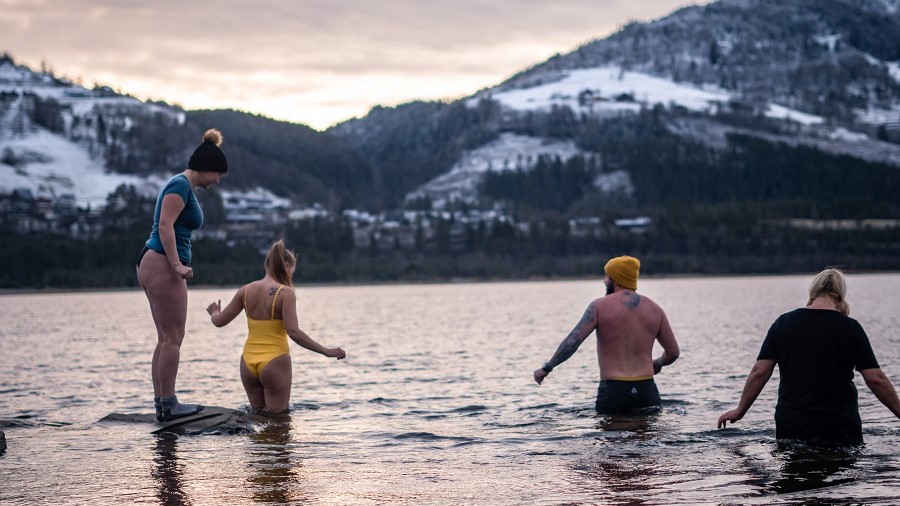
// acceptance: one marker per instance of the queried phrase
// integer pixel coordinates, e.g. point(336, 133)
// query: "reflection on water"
point(638, 426)
point(273, 471)
point(435, 403)
point(805, 467)
point(622, 469)
point(168, 472)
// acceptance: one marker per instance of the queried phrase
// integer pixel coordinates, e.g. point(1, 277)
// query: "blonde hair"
point(830, 282)
point(278, 260)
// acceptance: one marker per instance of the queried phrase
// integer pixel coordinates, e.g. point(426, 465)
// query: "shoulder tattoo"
point(631, 300)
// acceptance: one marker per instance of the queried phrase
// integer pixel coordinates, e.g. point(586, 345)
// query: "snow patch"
point(785, 113)
point(607, 84)
point(894, 69)
point(829, 41)
point(891, 6)
point(63, 168)
point(604, 89)
point(509, 152)
point(843, 134)
point(615, 182)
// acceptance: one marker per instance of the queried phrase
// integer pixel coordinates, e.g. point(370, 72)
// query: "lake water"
point(435, 403)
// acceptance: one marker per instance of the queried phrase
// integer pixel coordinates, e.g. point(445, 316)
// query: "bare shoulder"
point(628, 301)
point(650, 307)
point(254, 287)
point(287, 293)
point(650, 303)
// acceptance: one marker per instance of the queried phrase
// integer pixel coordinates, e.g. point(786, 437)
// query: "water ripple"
point(403, 421)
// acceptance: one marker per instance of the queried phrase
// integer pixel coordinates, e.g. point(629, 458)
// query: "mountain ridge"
point(819, 86)
point(757, 47)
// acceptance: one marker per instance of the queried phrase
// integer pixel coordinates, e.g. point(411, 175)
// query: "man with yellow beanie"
point(627, 326)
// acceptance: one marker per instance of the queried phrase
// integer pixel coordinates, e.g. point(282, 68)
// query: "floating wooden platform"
point(212, 420)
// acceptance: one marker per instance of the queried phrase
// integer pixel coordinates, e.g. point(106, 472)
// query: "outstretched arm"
point(756, 380)
point(881, 386)
point(221, 317)
point(570, 344)
point(289, 315)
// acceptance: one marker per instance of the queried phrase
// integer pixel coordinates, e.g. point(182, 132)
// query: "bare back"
point(258, 299)
point(627, 326)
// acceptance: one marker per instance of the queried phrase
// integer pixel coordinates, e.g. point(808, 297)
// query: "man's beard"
point(610, 287)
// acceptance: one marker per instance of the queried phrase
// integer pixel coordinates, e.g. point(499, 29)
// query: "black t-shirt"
point(816, 351)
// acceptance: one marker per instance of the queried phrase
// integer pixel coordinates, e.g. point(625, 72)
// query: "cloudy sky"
point(316, 62)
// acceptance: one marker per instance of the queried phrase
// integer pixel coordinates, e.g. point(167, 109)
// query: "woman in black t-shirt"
point(817, 347)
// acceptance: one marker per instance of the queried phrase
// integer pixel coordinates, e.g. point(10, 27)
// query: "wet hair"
point(278, 260)
point(830, 282)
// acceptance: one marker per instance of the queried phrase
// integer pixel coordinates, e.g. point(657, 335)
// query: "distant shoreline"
point(450, 281)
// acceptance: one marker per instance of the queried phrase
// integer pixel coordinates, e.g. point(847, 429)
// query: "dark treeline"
point(707, 239)
point(410, 144)
point(289, 159)
point(718, 207)
point(724, 211)
point(550, 185)
point(669, 171)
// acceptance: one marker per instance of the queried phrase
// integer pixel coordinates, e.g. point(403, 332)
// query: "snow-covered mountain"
point(60, 154)
point(817, 73)
point(508, 152)
point(612, 90)
point(58, 138)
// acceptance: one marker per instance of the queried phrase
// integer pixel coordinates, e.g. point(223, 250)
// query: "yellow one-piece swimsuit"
point(266, 339)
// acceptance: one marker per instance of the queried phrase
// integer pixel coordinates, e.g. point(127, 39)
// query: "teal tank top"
point(190, 219)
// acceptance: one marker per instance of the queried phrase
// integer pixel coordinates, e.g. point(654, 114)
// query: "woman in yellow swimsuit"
point(271, 319)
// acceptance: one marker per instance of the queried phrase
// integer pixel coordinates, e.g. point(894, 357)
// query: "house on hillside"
point(637, 225)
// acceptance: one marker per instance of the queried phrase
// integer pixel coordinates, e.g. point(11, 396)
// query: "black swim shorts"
point(616, 396)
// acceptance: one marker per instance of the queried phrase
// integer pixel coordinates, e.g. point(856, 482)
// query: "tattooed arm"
point(570, 344)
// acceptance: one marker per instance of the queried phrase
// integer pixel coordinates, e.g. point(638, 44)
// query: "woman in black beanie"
point(164, 267)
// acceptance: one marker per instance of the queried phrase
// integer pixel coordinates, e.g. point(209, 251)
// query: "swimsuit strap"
point(274, 299)
point(245, 300)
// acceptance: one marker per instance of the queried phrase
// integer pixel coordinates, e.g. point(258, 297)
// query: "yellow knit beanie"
point(624, 270)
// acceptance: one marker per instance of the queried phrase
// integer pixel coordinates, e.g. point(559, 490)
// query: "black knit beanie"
point(208, 157)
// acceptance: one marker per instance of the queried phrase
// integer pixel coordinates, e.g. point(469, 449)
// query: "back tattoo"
point(631, 300)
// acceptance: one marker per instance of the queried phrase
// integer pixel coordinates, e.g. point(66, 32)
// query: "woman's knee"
point(169, 346)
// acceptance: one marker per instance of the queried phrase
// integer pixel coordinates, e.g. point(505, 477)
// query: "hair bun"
point(214, 136)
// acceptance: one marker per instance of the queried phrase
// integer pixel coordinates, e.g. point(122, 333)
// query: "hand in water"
point(729, 416)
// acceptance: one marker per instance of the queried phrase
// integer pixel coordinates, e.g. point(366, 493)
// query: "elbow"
point(673, 354)
point(759, 373)
point(876, 380)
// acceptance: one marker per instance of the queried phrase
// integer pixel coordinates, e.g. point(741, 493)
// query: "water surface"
point(434, 404)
